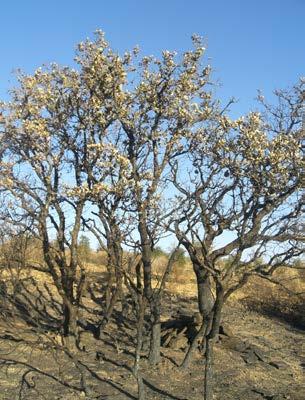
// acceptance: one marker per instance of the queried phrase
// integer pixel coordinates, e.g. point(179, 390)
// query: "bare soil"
point(263, 356)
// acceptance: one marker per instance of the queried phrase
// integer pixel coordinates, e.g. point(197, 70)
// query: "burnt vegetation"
point(125, 152)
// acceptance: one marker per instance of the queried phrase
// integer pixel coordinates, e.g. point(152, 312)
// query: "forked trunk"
point(205, 306)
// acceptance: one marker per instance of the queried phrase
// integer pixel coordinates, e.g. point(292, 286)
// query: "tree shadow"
point(34, 305)
point(291, 314)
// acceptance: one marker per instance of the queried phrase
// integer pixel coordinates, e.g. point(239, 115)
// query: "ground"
point(260, 353)
point(262, 357)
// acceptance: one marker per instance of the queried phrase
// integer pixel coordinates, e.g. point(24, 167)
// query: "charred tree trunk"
point(210, 340)
point(109, 311)
point(140, 326)
point(153, 301)
point(155, 338)
point(205, 306)
point(70, 331)
point(208, 373)
point(69, 319)
point(115, 255)
point(204, 290)
point(201, 334)
point(108, 289)
point(70, 309)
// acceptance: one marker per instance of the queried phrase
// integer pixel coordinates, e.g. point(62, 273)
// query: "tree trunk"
point(205, 295)
point(69, 319)
point(108, 313)
point(155, 337)
point(193, 346)
point(70, 310)
point(208, 372)
point(114, 265)
point(205, 306)
point(210, 340)
point(110, 280)
point(153, 300)
point(70, 331)
point(140, 325)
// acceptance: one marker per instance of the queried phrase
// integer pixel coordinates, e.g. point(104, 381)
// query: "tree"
point(34, 168)
point(133, 149)
point(84, 248)
point(71, 138)
point(131, 117)
point(241, 201)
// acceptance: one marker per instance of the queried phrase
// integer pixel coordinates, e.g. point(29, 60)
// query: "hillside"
point(260, 355)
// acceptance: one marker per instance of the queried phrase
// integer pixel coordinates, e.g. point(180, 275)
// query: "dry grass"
point(284, 301)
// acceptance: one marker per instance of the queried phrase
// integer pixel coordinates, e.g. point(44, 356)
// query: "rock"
point(184, 314)
point(177, 333)
point(178, 343)
point(249, 356)
point(233, 343)
point(178, 323)
point(197, 318)
point(86, 336)
point(265, 393)
point(260, 354)
point(225, 330)
point(166, 339)
point(278, 364)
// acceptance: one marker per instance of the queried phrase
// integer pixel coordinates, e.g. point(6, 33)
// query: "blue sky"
point(251, 44)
